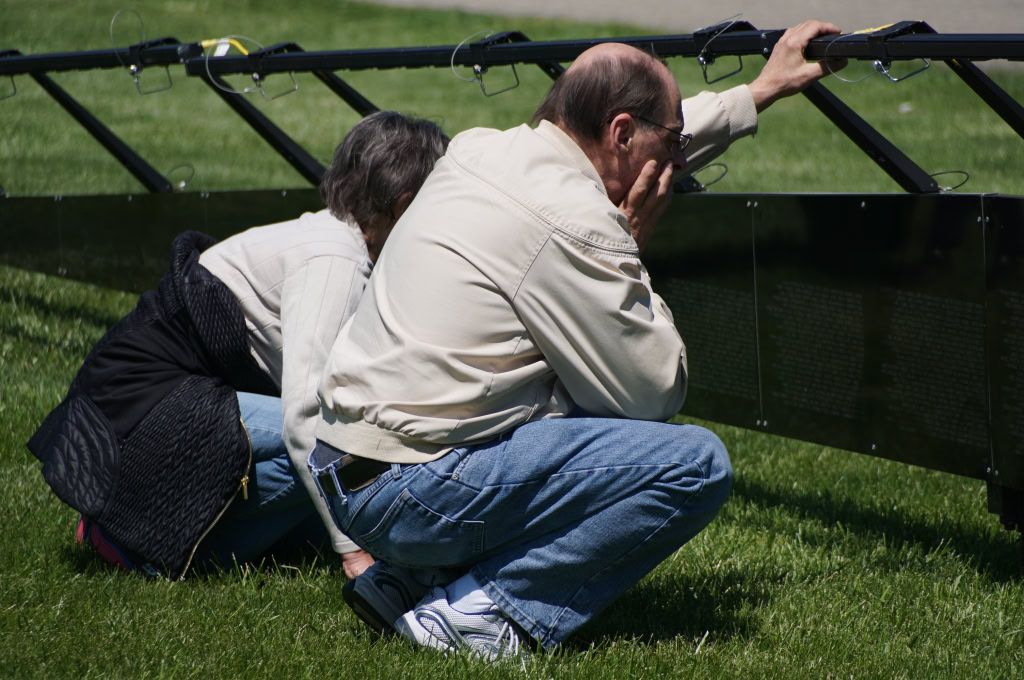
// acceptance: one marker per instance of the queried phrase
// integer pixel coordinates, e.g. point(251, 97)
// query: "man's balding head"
point(606, 80)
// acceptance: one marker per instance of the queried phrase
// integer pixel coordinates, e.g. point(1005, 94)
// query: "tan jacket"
point(296, 282)
point(510, 290)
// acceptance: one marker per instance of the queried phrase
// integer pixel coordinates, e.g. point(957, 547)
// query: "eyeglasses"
point(680, 141)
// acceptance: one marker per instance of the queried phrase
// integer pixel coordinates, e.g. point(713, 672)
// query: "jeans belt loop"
point(336, 484)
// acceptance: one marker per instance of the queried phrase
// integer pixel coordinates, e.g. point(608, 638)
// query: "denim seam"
point(546, 633)
point(463, 462)
point(287, 489)
point(689, 497)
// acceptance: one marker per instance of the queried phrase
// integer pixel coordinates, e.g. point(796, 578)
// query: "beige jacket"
point(510, 290)
point(296, 282)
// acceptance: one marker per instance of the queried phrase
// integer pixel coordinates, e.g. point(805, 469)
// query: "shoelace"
point(513, 640)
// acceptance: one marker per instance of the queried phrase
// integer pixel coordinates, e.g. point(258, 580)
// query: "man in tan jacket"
point(492, 413)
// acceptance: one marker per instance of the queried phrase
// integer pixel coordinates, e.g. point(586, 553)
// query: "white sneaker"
point(489, 634)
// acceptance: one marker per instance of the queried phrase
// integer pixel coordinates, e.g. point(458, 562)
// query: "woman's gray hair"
point(384, 156)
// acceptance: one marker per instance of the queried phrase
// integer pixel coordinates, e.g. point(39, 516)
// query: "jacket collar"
point(565, 144)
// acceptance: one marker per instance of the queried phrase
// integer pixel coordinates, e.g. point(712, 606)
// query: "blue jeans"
point(556, 519)
point(277, 505)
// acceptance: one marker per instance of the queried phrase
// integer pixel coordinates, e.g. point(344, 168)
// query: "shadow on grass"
point(660, 609)
point(63, 308)
point(998, 556)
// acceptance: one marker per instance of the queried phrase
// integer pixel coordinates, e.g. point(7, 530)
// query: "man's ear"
point(622, 129)
point(403, 203)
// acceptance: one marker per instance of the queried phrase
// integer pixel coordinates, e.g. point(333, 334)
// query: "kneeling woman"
point(183, 438)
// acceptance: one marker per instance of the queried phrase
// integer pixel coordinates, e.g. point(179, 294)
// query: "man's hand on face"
point(787, 72)
point(647, 200)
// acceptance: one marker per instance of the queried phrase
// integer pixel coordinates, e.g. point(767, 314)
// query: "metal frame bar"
point(345, 91)
point(887, 45)
point(939, 46)
point(732, 42)
point(164, 52)
point(133, 162)
point(900, 41)
point(911, 177)
point(300, 159)
point(996, 97)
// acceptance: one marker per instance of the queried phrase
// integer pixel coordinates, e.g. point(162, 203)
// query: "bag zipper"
point(243, 486)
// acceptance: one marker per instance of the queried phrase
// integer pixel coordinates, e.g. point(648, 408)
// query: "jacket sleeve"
point(610, 340)
point(716, 121)
point(315, 302)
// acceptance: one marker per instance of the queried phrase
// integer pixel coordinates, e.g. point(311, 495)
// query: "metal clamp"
point(258, 76)
point(220, 47)
point(705, 36)
point(876, 42)
point(884, 66)
point(477, 52)
point(134, 64)
point(135, 69)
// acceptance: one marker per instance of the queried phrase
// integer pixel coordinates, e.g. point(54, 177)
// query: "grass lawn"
point(822, 564)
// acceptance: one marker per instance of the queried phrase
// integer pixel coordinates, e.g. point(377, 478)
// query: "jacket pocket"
point(409, 529)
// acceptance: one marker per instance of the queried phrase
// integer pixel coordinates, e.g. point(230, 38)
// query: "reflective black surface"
point(124, 241)
point(701, 263)
point(853, 321)
point(885, 324)
point(871, 316)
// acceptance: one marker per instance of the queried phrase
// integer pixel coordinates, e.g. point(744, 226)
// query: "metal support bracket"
point(299, 158)
point(140, 169)
point(996, 97)
point(910, 176)
point(258, 75)
point(135, 63)
point(704, 37)
point(478, 51)
point(346, 92)
point(876, 41)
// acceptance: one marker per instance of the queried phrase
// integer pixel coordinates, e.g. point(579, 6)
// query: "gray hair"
point(585, 99)
point(382, 157)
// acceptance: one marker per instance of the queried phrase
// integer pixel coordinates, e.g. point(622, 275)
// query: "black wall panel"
point(885, 324)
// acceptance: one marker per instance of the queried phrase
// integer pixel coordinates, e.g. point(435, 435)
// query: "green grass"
point(822, 564)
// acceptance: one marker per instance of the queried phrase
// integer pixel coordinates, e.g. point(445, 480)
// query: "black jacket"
point(148, 441)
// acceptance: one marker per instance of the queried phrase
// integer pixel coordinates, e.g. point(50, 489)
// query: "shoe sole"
point(365, 611)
